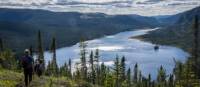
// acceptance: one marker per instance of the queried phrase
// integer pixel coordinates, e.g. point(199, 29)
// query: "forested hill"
point(179, 33)
point(20, 26)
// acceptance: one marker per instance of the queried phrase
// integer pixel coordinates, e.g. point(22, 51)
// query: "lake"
point(135, 51)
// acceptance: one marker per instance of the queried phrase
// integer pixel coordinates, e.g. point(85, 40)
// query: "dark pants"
point(28, 76)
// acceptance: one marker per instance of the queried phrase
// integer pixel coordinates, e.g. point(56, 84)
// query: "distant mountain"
point(179, 33)
point(167, 20)
point(18, 27)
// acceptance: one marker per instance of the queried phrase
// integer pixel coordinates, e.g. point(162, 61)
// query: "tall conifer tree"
point(135, 76)
point(40, 48)
point(54, 61)
point(92, 67)
point(123, 69)
point(195, 53)
point(83, 59)
point(117, 72)
point(128, 77)
point(1, 45)
point(70, 68)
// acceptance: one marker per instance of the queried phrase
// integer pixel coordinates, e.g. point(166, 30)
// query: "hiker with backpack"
point(27, 64)
point(39, 67)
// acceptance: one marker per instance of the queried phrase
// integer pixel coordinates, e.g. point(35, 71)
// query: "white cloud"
point(141, 7)
point(98, 1)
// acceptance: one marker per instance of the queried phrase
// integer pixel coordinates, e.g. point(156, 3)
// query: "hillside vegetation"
point(20, 26)
point(9, 78)
point(179, 34)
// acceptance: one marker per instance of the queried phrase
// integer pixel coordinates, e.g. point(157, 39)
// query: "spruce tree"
point(135, 76)
point(117, 72)
point(48, 69)
point(96, 56)
point(64, 70)
point(171, 81)
point(139, 82)
point(96, 66)
point(195, 53)
point(31, 51)
point(70, 68)
point(123, 69)
point(54, 61)
point(40, 48)
point(178, 72)
point(98, 72)
point(1, 45)
point(161, 78)
point(153, 83)
point(149, 80)
point(83, 53)
point(110, 80)
point(77, 75)
point(92, 67)
point(128, 77)
point(102, 74)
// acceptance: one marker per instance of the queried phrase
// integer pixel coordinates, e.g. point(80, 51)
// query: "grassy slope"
point(14, 79)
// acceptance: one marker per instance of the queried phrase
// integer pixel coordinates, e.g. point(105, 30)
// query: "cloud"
point(113, 7)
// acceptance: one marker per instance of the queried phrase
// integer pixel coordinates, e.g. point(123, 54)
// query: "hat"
point(26, 51)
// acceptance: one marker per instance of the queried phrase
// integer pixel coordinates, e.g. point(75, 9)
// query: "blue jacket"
point(27, 62)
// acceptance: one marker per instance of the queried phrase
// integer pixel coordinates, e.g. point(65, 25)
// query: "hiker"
point(39, 67)
point(27, 64)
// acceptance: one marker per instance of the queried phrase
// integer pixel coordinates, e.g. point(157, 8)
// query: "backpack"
point(27, 62)
point(39, 68)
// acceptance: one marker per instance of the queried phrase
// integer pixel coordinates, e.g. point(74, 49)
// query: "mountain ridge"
point(179, 33)
point(24, 24)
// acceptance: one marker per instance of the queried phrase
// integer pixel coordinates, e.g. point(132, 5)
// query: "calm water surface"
point(134, 50)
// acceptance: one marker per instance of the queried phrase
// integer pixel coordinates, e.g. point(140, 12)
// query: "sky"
point(113, 7)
